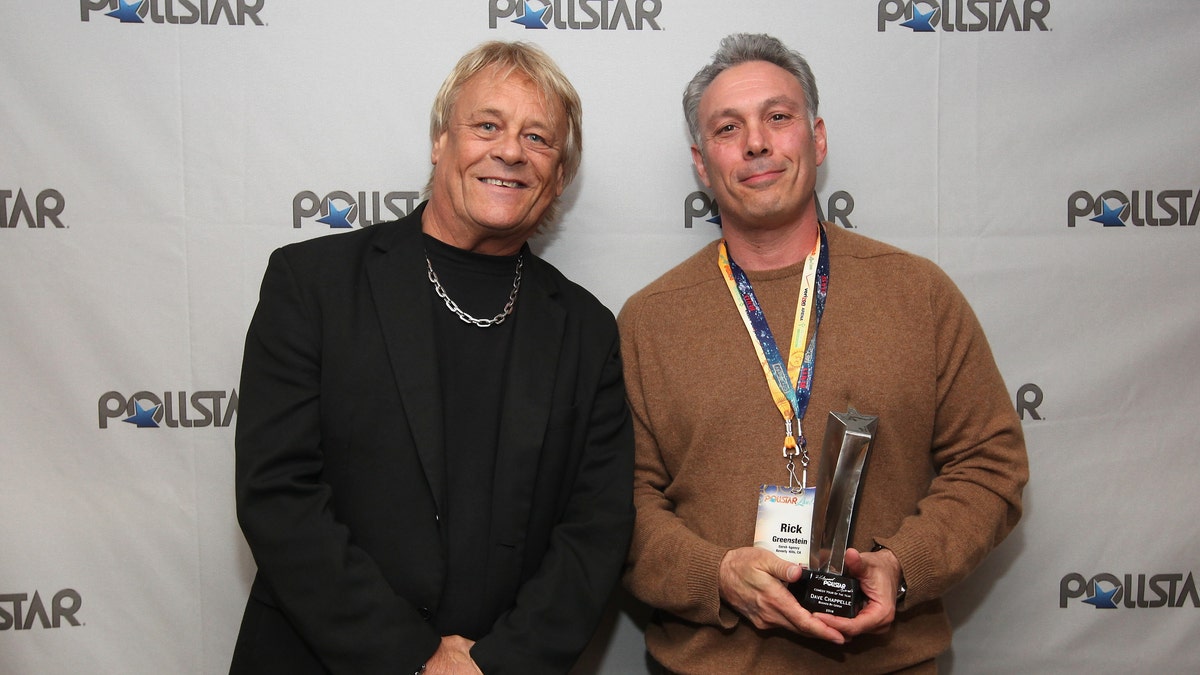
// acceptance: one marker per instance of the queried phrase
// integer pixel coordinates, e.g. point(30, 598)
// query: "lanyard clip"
point(790, 447)
point(794, 443)
point(794, 447)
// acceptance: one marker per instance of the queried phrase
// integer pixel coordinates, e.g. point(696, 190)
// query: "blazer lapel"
point(397, 278)
point(525, 410)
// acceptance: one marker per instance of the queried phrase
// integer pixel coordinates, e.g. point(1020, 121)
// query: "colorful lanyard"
point(792, 401)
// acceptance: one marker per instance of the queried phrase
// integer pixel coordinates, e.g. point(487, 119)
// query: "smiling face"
point(498, 165)
point(758, 153)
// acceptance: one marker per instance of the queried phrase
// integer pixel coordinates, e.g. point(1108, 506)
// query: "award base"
point(827, 593)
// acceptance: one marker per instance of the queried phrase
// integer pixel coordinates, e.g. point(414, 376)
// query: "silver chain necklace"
point(467, 318)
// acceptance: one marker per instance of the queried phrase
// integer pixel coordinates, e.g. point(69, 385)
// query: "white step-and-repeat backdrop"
point(1046, 153)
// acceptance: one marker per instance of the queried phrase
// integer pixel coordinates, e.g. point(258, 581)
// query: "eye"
point(536, 138)
point(780, 117)
point(488, 126)
point(727, 129)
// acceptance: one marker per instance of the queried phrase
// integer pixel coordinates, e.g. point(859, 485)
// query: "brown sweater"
point(942, 485)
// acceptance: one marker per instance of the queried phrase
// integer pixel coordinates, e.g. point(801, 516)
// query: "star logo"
point(144, 419)
point(1103, 599)
point(1110, 217)
point(532, 18)
point(920, 23)
point(337, 218)
point(127, 13)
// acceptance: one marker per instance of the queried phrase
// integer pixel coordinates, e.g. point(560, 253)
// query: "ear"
point(819, 141)
point(560, 182)
point(438, 144)
point(701, 169)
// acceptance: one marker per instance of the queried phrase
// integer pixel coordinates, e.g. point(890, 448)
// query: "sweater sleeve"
point(670, 566)
point(978, 455)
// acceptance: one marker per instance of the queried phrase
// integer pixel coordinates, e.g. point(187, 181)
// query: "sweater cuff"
point(916, 568)
point(704, 587)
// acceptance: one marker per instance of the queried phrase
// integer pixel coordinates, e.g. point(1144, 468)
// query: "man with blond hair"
point(433, 447)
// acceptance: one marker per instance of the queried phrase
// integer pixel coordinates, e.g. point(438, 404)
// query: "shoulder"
point(333, 261)
point(847, 243)
point(860, 255)
point(354, 243)
point(875, 277)
point(694, 275)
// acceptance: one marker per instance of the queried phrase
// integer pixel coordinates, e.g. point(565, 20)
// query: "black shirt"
point(471, 365)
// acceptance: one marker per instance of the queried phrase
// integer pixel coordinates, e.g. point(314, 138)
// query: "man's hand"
point(753, 581)
point(453, 657)
point(879, 576)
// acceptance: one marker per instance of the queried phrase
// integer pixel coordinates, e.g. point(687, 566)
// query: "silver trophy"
point(823, 588)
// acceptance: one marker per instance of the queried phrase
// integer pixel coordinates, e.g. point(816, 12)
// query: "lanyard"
point(792, 400)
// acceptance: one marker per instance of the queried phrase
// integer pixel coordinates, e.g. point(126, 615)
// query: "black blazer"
point(341, 476)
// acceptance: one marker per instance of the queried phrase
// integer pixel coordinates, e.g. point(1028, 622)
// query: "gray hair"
point(741, 48)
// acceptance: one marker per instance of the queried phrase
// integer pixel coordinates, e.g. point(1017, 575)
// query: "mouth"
point(502, 183)
point(762, 176)
point(762, 173)
point(762, 170)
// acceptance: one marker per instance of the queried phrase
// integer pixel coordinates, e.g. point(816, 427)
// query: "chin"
point(504, 225)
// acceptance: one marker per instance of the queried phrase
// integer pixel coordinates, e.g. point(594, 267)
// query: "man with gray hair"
point(433, 447)
point(714, 396)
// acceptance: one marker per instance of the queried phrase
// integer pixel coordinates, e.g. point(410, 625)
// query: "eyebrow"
point(781, 100)
point(772, 102)
point(541, 126)
point(478, 112)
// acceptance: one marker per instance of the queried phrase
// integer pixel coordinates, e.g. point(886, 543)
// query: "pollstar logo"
point(701, 205)
point(15, 614)
point(207, 12)
point(147, 410)
point(1029, 397)
point(1139, 208)
point(340, 210)
point(577, 14)
point(1108, 591)
point(964, 16)
point(17, 209)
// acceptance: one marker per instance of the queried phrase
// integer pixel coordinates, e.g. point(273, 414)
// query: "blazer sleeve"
point(331, 591)
point(558, 608)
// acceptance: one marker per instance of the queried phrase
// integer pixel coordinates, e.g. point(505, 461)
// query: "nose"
point(509, 149)
point(757, 144)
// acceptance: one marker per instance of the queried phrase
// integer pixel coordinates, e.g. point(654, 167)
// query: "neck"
point(468, 240)
point(771, 249)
